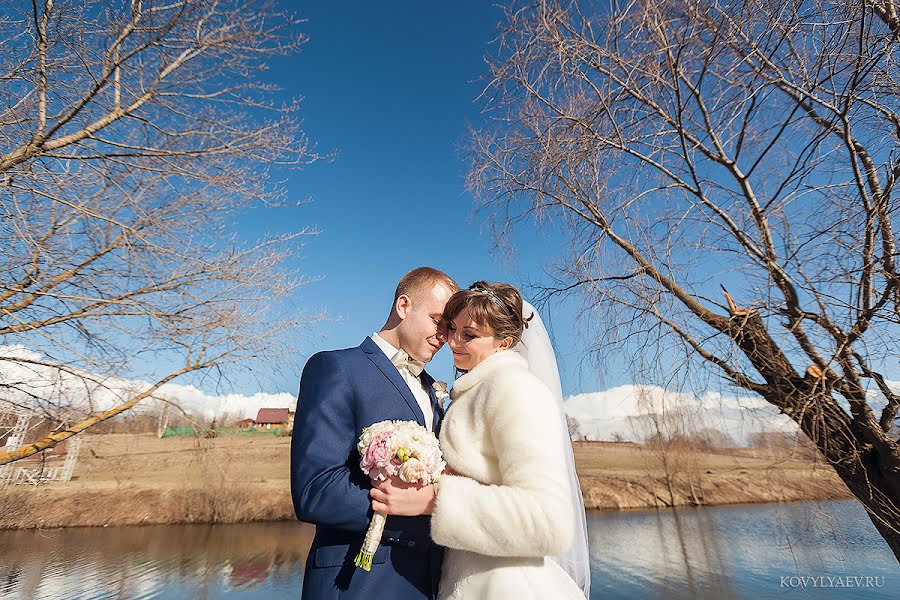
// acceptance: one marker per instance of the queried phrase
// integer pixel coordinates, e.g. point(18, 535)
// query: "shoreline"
point(149, 506)
point(140, 480)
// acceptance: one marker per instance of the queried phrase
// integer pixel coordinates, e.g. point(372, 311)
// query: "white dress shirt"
point(415, 383)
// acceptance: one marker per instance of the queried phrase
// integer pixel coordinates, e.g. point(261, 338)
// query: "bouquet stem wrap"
point(371, 543)
point(401, 449)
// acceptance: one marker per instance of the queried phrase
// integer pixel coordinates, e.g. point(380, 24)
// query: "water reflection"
point(738, 552)
point(720, 552)
point(255, 560)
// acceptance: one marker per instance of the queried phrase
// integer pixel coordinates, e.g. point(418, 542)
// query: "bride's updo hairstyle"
point(495, 305)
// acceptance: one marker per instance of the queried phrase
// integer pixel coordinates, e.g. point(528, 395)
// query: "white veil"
point(537, 349)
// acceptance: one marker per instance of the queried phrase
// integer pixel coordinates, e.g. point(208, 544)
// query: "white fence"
point(14, 422)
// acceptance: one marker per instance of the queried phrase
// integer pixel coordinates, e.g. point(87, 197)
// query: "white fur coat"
point(510, 506)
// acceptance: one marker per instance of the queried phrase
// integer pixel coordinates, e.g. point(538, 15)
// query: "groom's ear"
point(403, 306)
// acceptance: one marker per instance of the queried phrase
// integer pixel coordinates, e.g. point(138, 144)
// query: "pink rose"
point(379, 453)
point(378, 474)
point(433, 461)
point(413, 471)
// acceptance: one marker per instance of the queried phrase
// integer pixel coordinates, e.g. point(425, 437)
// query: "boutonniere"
point(440, 390)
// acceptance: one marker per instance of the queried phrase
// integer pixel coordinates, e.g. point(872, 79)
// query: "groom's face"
point(421, 331)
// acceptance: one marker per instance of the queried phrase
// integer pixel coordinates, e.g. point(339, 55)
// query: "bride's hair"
point(496, 305)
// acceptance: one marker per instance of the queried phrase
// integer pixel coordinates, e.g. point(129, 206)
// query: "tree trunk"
point(878, 493)
point(871, 477)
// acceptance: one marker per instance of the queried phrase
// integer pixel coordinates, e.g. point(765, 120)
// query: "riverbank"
point(629, 476)
point(138, 479)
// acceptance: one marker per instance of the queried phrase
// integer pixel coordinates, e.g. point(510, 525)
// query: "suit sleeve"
point(530, 512)
point(326, 487)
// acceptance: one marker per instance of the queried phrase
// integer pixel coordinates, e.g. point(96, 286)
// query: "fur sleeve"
point(530, 512)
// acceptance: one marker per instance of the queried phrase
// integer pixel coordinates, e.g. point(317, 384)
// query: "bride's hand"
point(396, 497)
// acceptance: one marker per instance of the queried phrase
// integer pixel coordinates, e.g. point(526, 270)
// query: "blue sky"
point(389, 88)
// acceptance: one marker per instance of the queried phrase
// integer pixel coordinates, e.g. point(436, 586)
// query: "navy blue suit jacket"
point(341, 392)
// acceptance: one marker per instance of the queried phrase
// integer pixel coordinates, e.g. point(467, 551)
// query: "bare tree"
point(710, 439)
point(132, 135)
point(668, 430)
point(685, 145)
point(575, 433)
point(649, 427)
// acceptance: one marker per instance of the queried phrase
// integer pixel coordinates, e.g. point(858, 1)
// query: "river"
point(801, 550)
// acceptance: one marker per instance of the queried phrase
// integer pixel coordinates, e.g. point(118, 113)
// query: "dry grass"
point(624, 475)
point(124, 479)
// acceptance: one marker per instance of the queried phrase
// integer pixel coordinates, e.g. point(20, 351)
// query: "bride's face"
point(472, 342)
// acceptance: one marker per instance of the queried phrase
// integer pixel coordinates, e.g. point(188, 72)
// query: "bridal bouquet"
point(401, 448)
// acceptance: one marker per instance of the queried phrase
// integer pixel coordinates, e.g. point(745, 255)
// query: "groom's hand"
point(396, 497)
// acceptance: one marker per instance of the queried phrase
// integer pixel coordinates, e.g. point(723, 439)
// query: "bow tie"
point(402, 360)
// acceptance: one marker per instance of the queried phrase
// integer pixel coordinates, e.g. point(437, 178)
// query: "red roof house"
point(274, 417)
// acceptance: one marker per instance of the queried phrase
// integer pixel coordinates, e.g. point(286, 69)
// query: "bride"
point(510, 514)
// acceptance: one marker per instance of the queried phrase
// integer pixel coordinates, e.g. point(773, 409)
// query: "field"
point(126, 479)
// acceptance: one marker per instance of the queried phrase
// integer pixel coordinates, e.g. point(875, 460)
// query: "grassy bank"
point(620, 476)
point(125, 479)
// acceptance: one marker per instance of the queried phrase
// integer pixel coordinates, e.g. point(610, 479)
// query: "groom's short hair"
point(422, 278)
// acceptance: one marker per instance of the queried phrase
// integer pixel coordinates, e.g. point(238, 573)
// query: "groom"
point(341, 392)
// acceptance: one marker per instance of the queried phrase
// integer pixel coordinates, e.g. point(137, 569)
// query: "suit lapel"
point(388, 369)
point(428, 380)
